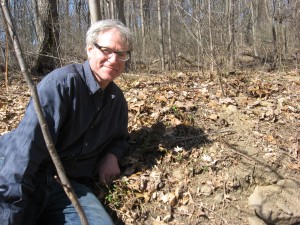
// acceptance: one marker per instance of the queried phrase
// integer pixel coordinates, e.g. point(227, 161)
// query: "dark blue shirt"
point(84, 121)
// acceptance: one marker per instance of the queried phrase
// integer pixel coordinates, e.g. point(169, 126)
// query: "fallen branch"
point(45, 130)
point(230, 146)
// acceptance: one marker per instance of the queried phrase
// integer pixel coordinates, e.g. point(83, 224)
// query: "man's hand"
point(108, 168)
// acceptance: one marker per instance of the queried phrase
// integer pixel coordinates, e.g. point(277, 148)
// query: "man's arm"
point(24, 154)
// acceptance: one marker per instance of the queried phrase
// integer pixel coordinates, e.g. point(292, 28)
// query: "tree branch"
point(45, 130)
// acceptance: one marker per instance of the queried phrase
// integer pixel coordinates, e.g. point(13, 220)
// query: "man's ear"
point(89, 50)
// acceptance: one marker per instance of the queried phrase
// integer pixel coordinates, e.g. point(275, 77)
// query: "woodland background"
point(212, 35)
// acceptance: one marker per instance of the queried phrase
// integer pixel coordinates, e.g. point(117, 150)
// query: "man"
point(87, 117)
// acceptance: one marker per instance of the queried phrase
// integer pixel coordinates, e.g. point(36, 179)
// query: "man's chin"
point(110, 76)
point(105, 80)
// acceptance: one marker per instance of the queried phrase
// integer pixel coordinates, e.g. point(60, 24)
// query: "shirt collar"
point(90, 79)
point(92, 83)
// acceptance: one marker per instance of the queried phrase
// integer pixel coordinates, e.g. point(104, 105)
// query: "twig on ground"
point(236, 151)
point(211, 211)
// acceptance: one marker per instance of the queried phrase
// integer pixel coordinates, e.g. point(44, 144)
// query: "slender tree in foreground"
point(49, 142)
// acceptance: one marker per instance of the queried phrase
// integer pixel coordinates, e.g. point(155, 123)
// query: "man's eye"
point(106, 51)
point(122, 54)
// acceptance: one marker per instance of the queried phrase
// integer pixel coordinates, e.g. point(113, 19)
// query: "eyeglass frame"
point(112, 51)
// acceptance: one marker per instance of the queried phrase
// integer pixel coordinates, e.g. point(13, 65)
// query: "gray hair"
point(105, 25)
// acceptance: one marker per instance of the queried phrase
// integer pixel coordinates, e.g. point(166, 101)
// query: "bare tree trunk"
point(107, 9)
point(48, 36)
point(67, 6)
point(120, 11)
point(133, 21)
point(78, 8)
point(160, 36)
point(200, 49)
point(231, 28)
point(253, 19)
point(210, 42)
point(285, 39)
point(45, 130)
point(112, 9)
point(6, 58)
point(170, 36)
point(94, 10)
point(147, 19)
point(102, 9)
point(274, 35)
point(5, 52)
point(143, 31)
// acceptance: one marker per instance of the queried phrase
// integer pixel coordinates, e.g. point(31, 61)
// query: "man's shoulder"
point(71, 69)
point(65, 73)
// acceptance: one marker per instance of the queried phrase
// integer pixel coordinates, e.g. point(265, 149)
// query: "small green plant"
point(191, 119)
point(113, 197)
point(205, 169)
point(174, 108)
point(179, 157)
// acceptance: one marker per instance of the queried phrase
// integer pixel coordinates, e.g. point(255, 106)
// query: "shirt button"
point(98, 108)
point(86, 144)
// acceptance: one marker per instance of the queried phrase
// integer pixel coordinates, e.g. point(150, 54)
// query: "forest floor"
point(197, 153)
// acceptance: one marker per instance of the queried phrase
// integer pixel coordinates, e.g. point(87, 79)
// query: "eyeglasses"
point(108, 52)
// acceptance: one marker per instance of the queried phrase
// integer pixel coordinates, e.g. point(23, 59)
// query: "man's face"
point(107, 68)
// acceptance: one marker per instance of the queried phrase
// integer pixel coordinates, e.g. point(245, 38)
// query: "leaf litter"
point(196, 155)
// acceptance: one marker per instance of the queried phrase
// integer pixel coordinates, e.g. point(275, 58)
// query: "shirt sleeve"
point(27, 150)
point(119, 146)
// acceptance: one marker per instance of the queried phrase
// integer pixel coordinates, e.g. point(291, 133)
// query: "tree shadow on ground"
point(149, 144)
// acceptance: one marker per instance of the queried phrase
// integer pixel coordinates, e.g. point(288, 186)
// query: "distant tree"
point(170, 58)
point(120, 11)
point(143, 31)
point(254, 5)
point(160, 36)
point(232, 33)
point(47, 29)
point(95, 12)
point(211, 46)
